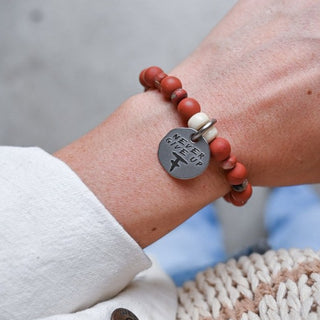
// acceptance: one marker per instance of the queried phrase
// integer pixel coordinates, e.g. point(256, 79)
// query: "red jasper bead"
point(150, 75)
point(168, 85)
point(141, 78)
point(158, 78)
point(242, 196)
point(229, 163)
point(188, 107)
point(220, 149)
point(237, 174)
point(178, 95)
point(237, 203)
point(227, 197)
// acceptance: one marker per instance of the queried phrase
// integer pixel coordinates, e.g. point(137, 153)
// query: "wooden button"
point(123, 314)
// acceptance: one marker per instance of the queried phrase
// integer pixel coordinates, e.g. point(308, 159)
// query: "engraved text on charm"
point(181, 157)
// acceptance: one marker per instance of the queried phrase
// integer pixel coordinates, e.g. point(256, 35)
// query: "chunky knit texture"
point(282, 284)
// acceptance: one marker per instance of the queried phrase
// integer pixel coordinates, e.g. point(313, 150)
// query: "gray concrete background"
point(66, 65)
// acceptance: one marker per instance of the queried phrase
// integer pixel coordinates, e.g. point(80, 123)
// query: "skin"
point(258, 73)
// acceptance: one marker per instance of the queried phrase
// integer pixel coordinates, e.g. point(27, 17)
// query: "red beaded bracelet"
point(185, 152)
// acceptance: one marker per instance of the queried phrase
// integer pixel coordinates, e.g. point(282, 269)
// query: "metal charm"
point(182, 157)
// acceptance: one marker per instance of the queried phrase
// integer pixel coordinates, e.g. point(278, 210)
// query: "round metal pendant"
point(181, 157)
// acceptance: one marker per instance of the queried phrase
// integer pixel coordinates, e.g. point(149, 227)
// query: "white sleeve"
point(150, 295)
point(60, 250)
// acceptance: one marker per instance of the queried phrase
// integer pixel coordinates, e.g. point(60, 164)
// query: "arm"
point(259, 71)
point(258, 74)
point(118, 161)
point(61, 251)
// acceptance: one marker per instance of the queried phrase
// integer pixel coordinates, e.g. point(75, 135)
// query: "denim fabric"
point(292, 219)
point(193, 246)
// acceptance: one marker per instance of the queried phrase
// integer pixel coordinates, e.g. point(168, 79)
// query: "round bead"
point(237, 203)
point(150, 74)
point(220, 149)
point(237, 175)
point(188, 107)
point(211, 134)
point(227, 197)
point(242, 196)
point(141, 78)
point(229, 163)
point(178, 95)
point(158, 78)
point(198, 120)
point(168, 85)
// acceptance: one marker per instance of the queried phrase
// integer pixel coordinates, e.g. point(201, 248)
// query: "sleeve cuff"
point(151, 295)
point(63, 250)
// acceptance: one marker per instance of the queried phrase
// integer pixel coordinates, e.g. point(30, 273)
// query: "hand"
point(258, 73)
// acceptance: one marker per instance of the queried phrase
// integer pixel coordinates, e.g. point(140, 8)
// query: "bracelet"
point(184, 153)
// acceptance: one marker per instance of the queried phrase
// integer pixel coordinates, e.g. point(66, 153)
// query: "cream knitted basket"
point(282, 284)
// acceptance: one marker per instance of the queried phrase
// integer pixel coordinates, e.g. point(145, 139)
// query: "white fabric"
point(150, 296)
point(60, 249)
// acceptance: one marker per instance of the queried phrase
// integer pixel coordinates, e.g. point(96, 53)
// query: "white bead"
point(198, 120)
point(211, 134)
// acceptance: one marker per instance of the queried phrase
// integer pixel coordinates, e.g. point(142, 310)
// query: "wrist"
point(118, 162)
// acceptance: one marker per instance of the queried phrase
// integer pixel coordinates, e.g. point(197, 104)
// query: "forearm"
point(118, 162)
point(258, 74)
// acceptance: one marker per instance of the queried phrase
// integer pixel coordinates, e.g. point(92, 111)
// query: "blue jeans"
point(292, 220)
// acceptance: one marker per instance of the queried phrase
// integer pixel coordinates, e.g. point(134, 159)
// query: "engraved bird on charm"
point(175, 163)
